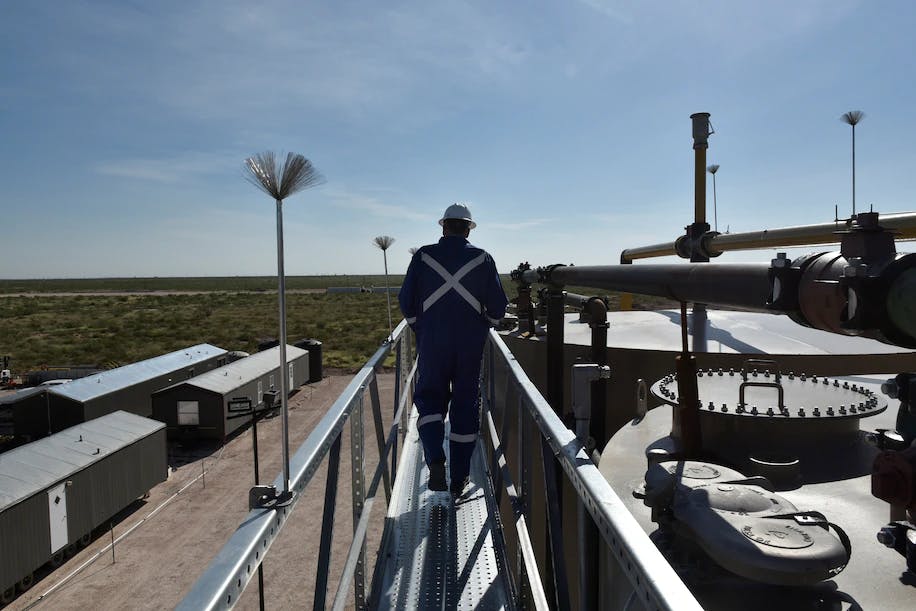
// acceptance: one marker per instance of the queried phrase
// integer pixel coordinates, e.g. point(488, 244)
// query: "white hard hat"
point(459, 212)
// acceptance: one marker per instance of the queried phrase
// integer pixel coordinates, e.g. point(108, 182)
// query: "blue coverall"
point(451, 296)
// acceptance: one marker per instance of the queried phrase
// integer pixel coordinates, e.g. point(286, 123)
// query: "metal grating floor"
point(441, 555)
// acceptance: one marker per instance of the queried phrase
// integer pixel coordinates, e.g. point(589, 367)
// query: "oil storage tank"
point(642, 345)
point(55, 491)
point(200, 407)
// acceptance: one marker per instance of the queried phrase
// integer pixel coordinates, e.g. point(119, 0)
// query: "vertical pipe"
point(555, 372)
point(556, 301)
point(698, 327)
point(699, 189)
point(686, 416)
point(284, 381)
point(700, 144)
point(599, 327)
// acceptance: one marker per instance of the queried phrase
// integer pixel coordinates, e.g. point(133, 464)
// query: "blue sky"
point(564, 124)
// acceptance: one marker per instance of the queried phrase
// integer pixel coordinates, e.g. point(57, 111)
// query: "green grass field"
point(225, 283)
point(111, 330)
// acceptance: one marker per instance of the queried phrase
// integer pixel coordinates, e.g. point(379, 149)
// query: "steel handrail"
point(520, 521)
point(230, 571)
point(655, 583)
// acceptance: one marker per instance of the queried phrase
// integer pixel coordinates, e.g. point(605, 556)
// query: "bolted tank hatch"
point(771, 395)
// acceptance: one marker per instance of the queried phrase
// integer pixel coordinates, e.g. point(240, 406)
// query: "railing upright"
point(627, 548)
point(228, 574)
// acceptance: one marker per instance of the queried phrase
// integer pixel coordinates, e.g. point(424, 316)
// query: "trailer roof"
point(225, 379)
point(22, 394)
point(34, 467)
point(100, 384)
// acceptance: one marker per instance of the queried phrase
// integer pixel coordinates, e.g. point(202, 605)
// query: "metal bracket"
point(642, 401)
point(266, 497)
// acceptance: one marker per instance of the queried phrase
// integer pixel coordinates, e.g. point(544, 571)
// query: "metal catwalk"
point(442, 554)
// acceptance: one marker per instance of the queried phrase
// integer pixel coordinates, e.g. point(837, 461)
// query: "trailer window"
point(260, 392)
point(188, 413)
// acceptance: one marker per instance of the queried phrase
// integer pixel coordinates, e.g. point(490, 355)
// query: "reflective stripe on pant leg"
point(464, 413)
point(424, 420)
point(431, 399)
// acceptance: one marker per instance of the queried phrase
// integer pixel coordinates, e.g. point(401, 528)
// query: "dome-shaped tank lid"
point(769, 394)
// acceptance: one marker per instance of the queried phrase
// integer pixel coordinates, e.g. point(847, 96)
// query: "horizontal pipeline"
point(903, 224)
point(738, 285)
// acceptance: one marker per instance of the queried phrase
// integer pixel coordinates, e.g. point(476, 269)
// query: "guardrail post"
point(523, 458)
point(327, 526)
point(359, 493)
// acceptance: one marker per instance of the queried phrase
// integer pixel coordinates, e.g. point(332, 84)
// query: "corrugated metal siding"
point(26, 539)
point(213, 390)
point(131, 460)
point(31, 468)
point(97, 385)
point(30, 416)
point(165, 409)
point(67, 409)
point(110, 485)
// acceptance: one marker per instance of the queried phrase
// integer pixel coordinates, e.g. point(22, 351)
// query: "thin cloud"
point(372, 205)
point(173, 169)
point(518, 225)
point(608, 8)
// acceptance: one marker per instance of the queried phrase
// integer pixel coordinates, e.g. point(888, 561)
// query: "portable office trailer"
point(199, 407)
point(126, 388)
point(55, 491)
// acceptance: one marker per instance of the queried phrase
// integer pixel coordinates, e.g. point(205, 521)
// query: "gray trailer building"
point(55, 491)
point(127, 388)
point(199, 407)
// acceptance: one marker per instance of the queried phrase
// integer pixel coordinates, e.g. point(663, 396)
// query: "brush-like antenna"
point(297, 173)
point(384, 242)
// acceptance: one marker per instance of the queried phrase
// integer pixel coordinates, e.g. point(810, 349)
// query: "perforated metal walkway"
point(442, 554)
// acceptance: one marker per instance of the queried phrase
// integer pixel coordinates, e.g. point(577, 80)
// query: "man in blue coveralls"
point(451, 296)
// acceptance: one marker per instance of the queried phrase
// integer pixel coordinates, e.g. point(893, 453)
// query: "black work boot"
point(437, 477)
point(458, 487)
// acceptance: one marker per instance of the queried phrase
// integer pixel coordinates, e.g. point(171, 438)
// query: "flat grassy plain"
point(215, 283)
point(138, 320)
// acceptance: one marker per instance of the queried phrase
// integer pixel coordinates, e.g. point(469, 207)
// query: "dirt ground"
point(158, 563)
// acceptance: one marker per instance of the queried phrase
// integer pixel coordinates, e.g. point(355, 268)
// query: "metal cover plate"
point(785, 536)
point(803, 396)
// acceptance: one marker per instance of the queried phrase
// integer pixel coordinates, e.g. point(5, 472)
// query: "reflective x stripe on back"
point(452, 281)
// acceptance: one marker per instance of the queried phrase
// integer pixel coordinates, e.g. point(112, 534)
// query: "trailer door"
point(57, 514)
